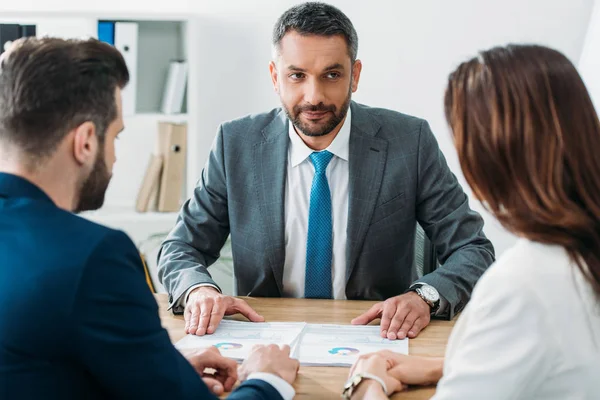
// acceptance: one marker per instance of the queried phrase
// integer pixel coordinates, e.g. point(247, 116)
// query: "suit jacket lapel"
point(270, 167)
point(367, 163)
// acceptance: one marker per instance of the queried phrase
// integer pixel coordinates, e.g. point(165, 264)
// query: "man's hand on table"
point(206, 307)
point(401, 316)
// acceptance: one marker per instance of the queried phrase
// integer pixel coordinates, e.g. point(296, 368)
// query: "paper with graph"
point(235, 339)
point(340, 345)
point(312, 344)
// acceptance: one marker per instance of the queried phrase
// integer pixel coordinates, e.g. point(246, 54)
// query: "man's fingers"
point(206, 306)
point(225, 366)
point(389, 309)
point(214, 385)
point(286, 349)
point(194, 318)
point(407, 324)
point(216, 315)
point(187, 316)
point(243, 308)
point(368, 316)
point(414, 331)
point(397, 320)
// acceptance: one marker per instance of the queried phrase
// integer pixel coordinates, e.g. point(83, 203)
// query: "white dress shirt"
point(300, 173)
point(530, 331)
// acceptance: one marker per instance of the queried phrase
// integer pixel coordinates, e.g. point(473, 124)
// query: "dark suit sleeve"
point(118, 336)
point(199, 233)
point(255, 389)
point(456, 231)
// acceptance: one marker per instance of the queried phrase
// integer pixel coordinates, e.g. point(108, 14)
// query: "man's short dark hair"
point(50, 86)
point(314, 18)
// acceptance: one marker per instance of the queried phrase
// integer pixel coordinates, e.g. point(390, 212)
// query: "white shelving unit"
point(162, 37)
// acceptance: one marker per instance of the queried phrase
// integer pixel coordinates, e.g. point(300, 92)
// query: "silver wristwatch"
point(355, 380)
point(428, 293)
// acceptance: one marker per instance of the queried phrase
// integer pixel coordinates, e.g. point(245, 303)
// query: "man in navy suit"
point(77, 318)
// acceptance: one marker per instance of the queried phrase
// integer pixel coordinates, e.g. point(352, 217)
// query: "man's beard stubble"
point(323, 129)
point(93, 189)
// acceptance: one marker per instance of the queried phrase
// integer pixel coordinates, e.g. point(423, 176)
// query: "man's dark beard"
point(322, 130)
point(91, 194)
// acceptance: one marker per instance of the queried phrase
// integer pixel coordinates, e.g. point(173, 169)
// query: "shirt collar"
point(339, 147)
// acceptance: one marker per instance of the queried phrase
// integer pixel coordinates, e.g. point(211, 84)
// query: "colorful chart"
point(228, 346)
point(343, 351)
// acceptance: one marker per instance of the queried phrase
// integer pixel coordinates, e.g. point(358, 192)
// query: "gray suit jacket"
point(398, 177)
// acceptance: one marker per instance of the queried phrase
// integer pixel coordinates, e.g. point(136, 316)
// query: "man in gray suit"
point(322, 196)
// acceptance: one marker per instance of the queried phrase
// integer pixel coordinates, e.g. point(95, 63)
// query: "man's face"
point(315, 79)
point(93, 189)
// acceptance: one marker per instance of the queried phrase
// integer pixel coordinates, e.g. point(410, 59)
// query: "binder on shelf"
point(8, 34)
point(149, 186)
point(28, 30)
point(126, 41)
point(174, 90)
point(106, 32)
point(172, 141)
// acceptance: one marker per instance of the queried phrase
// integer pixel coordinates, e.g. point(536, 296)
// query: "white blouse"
point(530, 331)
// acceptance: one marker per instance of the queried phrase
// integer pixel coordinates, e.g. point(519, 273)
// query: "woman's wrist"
point(369, 389)
point(436, 370)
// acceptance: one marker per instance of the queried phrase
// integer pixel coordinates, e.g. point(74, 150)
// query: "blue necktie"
point(319, 244)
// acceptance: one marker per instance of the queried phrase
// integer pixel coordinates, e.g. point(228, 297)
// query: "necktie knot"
point(320, 160)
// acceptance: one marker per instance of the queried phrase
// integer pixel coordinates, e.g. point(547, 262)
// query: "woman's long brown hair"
point(528, 141)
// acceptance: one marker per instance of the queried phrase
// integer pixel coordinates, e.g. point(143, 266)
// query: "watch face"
point(430, 293)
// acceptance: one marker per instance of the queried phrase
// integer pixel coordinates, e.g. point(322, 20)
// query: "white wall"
point(407, 47)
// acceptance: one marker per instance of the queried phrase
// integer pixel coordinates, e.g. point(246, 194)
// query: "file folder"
point(8, 34)
point(172, 140)
point(174, 90)
point(126, 41)
point(106, 32)
point(150, 184)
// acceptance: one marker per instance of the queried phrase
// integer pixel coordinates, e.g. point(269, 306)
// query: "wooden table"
point(325, 382)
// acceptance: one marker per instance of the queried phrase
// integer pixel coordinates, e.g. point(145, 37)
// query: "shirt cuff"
point(182, 301)
point(285, 389)
point(443, 308)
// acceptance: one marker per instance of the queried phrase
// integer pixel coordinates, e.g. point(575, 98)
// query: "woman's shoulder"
point(529, 267)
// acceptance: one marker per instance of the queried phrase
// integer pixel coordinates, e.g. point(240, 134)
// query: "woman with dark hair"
point(528, 138)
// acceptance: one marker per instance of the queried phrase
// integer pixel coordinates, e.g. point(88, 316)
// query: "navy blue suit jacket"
point(77, 319)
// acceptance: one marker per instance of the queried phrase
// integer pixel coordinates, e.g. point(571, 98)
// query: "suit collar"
point(277, 127)
point(363, 122)
point(269, 168)
point(15, 186)
point(368, 155)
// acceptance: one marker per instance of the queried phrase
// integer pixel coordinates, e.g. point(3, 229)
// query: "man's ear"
point(274, 75)
point(85, 143)
point(356, 70)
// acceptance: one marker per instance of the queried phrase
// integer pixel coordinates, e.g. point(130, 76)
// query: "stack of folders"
point(174, 91)
point(163, 182)
point(124, 36)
